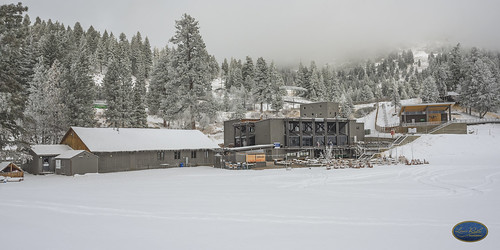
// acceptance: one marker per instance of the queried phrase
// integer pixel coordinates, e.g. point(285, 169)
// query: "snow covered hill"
point(387, 207)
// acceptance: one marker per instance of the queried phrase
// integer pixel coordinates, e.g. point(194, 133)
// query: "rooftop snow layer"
point(50, 149)
point(142, 139)
point(69, 154)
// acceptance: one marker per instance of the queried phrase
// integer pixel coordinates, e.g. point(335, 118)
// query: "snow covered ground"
point(387, 207)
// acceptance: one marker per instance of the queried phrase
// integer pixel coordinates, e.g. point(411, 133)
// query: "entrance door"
point(45, 165)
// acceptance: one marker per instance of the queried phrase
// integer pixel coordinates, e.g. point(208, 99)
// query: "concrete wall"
point(270, 131)
point(128, 161)
point(83, 163)
point(319, 110)
point(358, 130)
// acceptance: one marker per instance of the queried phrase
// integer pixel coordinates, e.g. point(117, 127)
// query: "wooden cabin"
point(9, 169)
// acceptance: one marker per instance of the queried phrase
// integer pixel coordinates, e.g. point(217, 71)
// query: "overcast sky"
point(289, 31)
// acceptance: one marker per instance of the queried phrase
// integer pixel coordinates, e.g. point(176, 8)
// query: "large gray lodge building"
point(306, 136)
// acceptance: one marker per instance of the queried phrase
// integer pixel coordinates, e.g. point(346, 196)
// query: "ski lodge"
point(126, 149)
point(306, 136)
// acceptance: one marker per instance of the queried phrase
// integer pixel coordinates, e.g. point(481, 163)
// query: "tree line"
point(51, 74)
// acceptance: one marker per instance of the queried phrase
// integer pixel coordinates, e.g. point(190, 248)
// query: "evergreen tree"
point(147, 58)
point(159, 78)
point(80, 89)
point(480, 90)
point(46, 110)
point(139, 116)
point(247, 71)
point(261, 91)
point(102, 52)
point(395, 97)
point(191, 71)
point(12, 78)
point(225, 70)
point(366, 94)
point(455, 65)
point(277, 84)
point(429, 92)
point(136, 54)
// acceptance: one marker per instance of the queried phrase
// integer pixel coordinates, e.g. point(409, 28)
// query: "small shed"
point(9, 169)
point(74, 162)
point(43, 161)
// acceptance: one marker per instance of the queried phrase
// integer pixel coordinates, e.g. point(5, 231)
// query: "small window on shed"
point(177, 155)
point(206, 153)
point(193, 154)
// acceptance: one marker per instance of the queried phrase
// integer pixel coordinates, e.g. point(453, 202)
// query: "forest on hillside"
point(49, 79)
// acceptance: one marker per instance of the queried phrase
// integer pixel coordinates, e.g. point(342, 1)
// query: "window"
point(206, 153)
point(161, 155)
point(177, 155)
point(193, 154)
point(294, 141)
point(307, 141)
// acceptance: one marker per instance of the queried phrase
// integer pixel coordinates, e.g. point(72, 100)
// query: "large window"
point(177, 155)
point(294, 141)
point(308, 141)
point(307, 127)
point(193, 154)
point(319, 141)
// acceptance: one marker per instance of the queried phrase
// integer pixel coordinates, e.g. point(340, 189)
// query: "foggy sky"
point(289, 31)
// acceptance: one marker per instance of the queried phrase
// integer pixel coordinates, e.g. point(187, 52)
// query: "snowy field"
point(387, 207)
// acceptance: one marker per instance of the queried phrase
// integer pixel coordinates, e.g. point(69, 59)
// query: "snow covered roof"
point(69, 154)
point(44, 150)
point(430, 104)
point(142, 139)
point(4, 164)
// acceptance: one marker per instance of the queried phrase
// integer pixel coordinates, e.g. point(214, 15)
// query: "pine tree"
point(12, 78)
point(277, 84)
point(191, 71)
point(480, 90)
point(102, 52)
point(261, 90)
point(302, 79)
point(139, 117)
point(136, 54)
point(248, 71)
point(80, 89)
point(366, 94)
point(225, 70)
point(46, 111)
point(429, 92)
point(455, 65)
point(395, 97)
point(147, 58)
point(159, 78)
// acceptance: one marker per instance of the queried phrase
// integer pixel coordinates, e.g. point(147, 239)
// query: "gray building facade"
point(76, 162)
point(305, 136)
point(128, 149)
point(43, 158)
